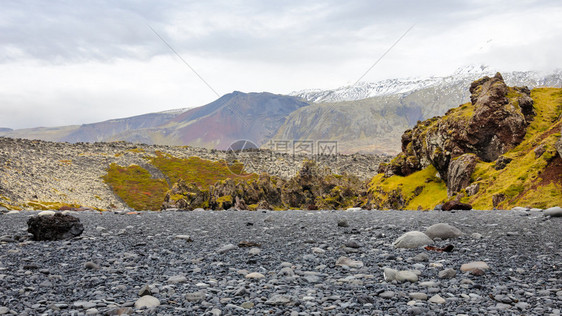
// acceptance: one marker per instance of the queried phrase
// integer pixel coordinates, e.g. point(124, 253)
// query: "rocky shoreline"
point(283, 263)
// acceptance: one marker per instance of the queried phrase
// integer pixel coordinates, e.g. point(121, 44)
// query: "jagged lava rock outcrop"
point(494, 122)
point(313, 187)
point(499, 151)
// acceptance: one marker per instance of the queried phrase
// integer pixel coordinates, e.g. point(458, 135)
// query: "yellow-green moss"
point(42, 205)
point(464, 112)
point(7, 203)
point(135, 186)
point(521, 180)
point(420, 190)
point(196, 170)
point(224, 198)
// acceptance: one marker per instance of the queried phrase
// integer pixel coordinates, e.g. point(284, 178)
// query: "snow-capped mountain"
point(461, 77)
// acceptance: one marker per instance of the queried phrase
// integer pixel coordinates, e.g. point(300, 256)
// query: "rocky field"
point(284, 263)
point(38, 174)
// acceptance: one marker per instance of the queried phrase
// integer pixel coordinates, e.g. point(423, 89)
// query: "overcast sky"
point(73, 62)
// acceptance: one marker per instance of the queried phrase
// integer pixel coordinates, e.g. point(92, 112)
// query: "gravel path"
point(121, 258)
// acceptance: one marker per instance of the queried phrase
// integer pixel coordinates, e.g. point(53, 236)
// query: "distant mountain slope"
point(375, 124)
point(113, 129)
point(252, 116)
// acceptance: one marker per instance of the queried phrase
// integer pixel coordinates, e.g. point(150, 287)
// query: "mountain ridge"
point(370, 125)
point(215, 125)
point(467, 74)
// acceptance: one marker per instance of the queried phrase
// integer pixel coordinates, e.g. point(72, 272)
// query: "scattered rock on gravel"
point(437, 299)
point(55, 227)
point(443, 231)
point(147, 301)
point(447, 273)
point(553, 212)
point(412, 239)
point(139, 255)
point(345, 261)
point(481, 265)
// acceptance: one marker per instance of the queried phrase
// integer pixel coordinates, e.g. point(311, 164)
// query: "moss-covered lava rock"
point(497, 151)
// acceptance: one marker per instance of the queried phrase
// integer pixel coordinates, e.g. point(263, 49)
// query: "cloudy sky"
point(72, 62)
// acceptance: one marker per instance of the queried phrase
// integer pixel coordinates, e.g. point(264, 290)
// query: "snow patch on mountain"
point(461, 77)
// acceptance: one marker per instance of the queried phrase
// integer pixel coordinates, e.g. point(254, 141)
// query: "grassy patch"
point(42, 205)
point(136, 187)
point(420, 190)
point(200, 171)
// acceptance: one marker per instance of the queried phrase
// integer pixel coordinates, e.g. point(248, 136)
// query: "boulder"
point(553, 211)
point(412, 239)
point(488, 127)
point(46, 213)
point(498, 198)
point(240, 204)
point(55, 227)
point(443, 231)
point(460, 172)
point(456, 205)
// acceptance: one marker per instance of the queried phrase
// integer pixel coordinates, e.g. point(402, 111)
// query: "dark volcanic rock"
point(56, 227)
point(456, 205)
point(502, 162)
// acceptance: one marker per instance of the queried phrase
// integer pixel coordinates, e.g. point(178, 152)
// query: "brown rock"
point(456, 205)
point(539, 151)
point(185, 196)
point(489, 127)
point(498, 198)
point(502, 162)
point(459, 173)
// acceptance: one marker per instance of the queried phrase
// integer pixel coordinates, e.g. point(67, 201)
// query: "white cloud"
point(90, 61)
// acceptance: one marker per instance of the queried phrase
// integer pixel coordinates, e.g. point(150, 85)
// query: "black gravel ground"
point(117, 256)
